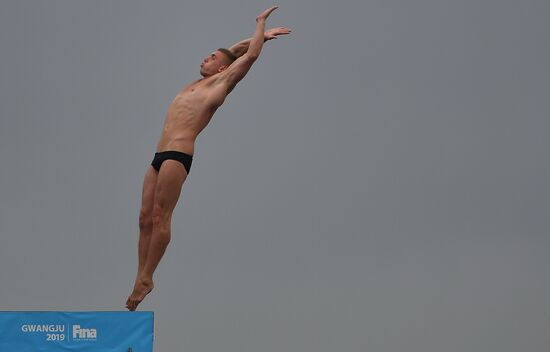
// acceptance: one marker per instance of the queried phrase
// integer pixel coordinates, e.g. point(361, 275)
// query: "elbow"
point(252, 56)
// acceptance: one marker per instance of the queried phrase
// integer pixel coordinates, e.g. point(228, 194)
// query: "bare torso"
point(189, 113)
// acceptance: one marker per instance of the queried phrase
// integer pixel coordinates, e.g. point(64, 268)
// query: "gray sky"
point(378, 182)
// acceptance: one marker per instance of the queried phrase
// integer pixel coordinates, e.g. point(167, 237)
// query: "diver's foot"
point(141, 289)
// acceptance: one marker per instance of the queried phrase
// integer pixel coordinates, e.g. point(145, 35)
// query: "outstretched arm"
point(238, 49)
point(257, 41)
point(238, 69)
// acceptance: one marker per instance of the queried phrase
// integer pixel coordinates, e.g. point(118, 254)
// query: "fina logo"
point(84, 334)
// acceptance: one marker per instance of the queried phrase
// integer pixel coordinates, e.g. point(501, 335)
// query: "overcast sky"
point(378, 182)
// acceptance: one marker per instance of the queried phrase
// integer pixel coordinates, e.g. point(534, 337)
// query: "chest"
point(201, 96)
point(191, 97)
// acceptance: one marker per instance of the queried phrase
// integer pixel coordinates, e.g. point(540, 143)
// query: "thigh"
point(148, 191)
point(170, 180)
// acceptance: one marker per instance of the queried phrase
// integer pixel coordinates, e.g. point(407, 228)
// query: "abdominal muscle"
point(180, 144)
point(189, 113)
point(184, 121)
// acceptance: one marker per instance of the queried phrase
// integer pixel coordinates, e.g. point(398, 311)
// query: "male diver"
point(187, 115)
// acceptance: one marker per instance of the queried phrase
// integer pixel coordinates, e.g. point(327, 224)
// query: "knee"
point(160, 220)
point(161, 225)
point(145, 221)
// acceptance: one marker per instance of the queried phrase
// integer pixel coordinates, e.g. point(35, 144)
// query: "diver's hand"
point(264, 15)
point(272, 33)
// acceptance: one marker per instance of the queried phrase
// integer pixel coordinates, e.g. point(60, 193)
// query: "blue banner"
point(76, 331)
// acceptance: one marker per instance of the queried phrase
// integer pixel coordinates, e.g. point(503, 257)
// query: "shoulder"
point(236, 71)
point(216, 89)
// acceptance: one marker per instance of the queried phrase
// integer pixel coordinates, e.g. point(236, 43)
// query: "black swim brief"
point(185, 159)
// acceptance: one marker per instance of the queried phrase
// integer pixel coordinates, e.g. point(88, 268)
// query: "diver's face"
point(212, 64)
